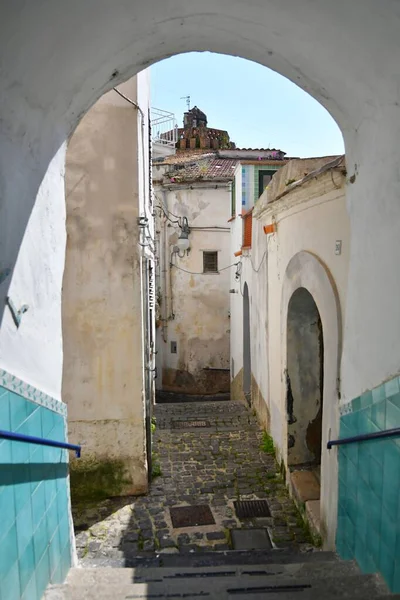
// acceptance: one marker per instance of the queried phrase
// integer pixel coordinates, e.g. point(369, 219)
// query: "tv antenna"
point(187, 98)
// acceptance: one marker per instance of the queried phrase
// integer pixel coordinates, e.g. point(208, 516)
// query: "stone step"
point(311, 571)
point(214, 558)
point(355, 587)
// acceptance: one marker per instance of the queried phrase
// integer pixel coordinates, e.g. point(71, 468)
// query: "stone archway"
point(306, 271)
point(304, 380)
point(88, 48)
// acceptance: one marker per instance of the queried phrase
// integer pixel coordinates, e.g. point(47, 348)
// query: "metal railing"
point(164, 128)
point(364, 437)
point(30, 439)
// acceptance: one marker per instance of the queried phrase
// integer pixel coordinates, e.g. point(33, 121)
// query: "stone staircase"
point(233, 575)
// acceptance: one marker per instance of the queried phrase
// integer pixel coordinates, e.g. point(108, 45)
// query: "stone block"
point(313, 512)
point(305, 486)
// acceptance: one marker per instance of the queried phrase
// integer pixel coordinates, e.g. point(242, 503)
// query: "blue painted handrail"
point(30, 439)
point(364, 437)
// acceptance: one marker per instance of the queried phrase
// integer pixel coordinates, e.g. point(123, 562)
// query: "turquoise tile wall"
point(369, 485)
point(34, 526)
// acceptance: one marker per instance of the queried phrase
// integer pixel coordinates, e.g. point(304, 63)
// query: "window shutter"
point(210, 262)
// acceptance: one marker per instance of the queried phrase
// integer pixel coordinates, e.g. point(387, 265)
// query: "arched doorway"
point(304, 380)
point(309, 290)
point(246, 345)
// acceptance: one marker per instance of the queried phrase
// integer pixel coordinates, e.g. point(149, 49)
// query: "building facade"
point(195, 191)
point(287, 336)
point(107, 321)
point(193, 285)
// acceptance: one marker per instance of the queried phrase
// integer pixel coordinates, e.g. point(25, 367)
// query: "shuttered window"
point(210, 262)
point(247, 228)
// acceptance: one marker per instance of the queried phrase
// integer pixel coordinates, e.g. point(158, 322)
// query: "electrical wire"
point(201, 272)
point(211, 228)
point(135, 104)
point(167, 217)
point(259, 266)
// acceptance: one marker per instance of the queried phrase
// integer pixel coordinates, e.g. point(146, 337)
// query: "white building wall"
point(107, 184)
point(195, 305)
point(309, 221)
point(33, 351)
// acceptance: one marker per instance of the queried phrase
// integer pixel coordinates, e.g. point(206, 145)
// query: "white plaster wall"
point(312, 225)
point(253, 271)
point(309, 220)
point(345, 55)
point(200, 302)
point(33, 351)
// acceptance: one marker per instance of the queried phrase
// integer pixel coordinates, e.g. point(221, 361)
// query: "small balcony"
point(164, 132)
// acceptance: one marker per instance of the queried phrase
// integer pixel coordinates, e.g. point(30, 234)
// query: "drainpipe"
point(165, 270)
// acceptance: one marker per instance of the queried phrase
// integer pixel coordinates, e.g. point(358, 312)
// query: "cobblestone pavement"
point(214, 465)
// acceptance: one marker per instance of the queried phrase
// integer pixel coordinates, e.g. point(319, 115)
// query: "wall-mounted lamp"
point(183, 243)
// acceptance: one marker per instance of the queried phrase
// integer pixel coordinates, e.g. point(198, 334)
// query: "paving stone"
point(82, 539)
point(221, 547)
point(94, 547)
point(215, 535)
point(148, 545)
point(167, 543)
point(211, 467)
point(130, 536)
point(129, 549)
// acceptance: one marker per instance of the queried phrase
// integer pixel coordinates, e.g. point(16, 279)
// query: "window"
point(264, 177)
point(210, 262)
point(247, 220)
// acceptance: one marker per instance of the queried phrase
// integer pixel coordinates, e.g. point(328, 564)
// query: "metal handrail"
point(30, 439)
point(364, 437)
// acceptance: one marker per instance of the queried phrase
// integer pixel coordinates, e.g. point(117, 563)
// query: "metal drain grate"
point(189, 424)
point(247, 509)
point(191, 516)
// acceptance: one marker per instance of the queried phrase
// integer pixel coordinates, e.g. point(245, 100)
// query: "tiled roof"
point(203, 168)
point(187, 156)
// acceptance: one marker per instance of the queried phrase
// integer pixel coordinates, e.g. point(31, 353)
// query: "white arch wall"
point(307, 271)
point(57, 58)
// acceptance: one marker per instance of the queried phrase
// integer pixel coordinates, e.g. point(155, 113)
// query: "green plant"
point(267, 444)
point(153, 425)
point(156, 467)
point(290, 181)
point(303, 524)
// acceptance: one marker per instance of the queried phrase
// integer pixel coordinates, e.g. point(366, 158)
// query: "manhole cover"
point(189, 424)
point(247, 509)
point(250, 539)
point(191, 516)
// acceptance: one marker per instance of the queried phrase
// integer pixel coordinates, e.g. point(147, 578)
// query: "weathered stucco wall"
point(102, 311)
point(195, 305)
point(311, 218)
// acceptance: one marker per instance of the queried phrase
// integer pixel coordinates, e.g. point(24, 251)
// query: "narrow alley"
point(208, 454)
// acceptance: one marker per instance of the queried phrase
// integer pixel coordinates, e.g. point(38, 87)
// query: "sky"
point(258, 107)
